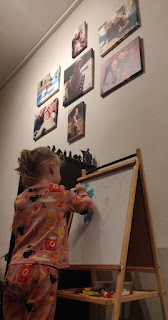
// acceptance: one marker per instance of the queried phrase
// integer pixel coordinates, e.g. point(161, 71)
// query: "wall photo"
point(79, 40)
point(48, 86)
point(121, 67)
point(45, 119)
point(79, 78)
point(122, 23)
point(76, 122)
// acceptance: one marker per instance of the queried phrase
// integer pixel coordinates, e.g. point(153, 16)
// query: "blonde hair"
point(33, 162)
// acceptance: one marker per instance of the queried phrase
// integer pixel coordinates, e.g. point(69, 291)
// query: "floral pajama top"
point(40, 226)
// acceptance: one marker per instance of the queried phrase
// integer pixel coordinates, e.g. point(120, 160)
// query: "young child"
point(41, 238)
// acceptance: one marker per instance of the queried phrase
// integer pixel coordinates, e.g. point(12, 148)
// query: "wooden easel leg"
point(94, 278)
point(152, 236)
point(162, 297)
point(118, 293)
point(124, 252)
point(95, 306)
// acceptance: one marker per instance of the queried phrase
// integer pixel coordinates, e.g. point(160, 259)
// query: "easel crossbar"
point(118, 167)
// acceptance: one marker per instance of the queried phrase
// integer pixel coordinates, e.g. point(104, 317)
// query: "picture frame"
point(76, 122)
point(79, 78)
point(120, 25)
point(48, 86)
point(45, 119)
point(79, 40)
point(122, 67)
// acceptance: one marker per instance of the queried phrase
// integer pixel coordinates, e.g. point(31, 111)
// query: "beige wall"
point(132, 116)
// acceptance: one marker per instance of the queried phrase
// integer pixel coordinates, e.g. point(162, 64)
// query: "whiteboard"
point(100, 241)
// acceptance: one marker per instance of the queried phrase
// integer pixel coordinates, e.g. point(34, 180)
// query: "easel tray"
point(137, 295)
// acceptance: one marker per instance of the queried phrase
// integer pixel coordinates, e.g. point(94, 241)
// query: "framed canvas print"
point(121, 67)
point(78, 78)
point(48, 86)
point(76, 122)
point(122, 23)
point(79, 40)
point(45, 119)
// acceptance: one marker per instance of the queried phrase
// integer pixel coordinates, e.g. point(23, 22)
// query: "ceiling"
point(24, 26)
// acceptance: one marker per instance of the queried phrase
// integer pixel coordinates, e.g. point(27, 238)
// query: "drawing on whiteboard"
point(80, 230)
point(77, 234)
point(105, 200)
point(100, 241)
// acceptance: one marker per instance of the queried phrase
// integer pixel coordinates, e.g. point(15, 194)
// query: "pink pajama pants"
point(30, 292)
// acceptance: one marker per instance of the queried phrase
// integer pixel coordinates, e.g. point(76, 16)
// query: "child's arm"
point(80, 201)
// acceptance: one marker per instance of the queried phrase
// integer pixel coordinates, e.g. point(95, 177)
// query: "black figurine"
point(59, 152)
point(65, 153)
point(70, 154)
point(79, 157)
point(75, 156)
point(53, 148)
point(87, 156)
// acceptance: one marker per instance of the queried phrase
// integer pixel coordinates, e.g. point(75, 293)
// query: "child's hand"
point(80, 187)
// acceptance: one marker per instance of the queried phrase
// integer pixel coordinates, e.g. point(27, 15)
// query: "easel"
point(139, 253)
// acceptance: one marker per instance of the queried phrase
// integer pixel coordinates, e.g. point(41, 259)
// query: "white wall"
point(133, 116)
